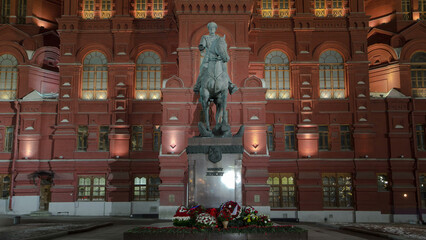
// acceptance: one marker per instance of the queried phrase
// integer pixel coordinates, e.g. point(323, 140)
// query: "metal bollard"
point(16, 220)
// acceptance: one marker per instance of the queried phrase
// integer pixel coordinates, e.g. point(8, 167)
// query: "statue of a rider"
point(205, 44)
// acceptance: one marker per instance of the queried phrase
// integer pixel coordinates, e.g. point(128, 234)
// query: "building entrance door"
point(45, 195)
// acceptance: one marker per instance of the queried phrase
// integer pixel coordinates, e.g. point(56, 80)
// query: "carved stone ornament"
point(215, 154)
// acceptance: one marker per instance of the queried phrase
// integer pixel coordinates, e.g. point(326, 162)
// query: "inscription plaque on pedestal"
point(214, 170)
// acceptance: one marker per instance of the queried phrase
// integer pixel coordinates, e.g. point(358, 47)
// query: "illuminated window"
point(95, 77)
point(422, 9)
point(88, 9)
point(338, 10)
point(22, 12)
point(157, 138)
point(332, 75)
point(345, 137)
point(106, 10)
point(4, 186)
point(267, 10)
point(91, 188)
point(418, 74)
point(140, 8)
point(320, 10)
point(137, 138)
point(8, 77)
point(337, 190)
point(82, 134)
point(284, 8)
point(277, 75)
point(420, 134)
point(145, 188)
point(103, 138)
point(282, 190)
point(289, 138)
point(270, 137)
point(422, 184)
point(406, 9)
point(323, 138)
point(4, 11)
point(158, 9)
point(148, 76)
point(8, 139)
point(382, 182)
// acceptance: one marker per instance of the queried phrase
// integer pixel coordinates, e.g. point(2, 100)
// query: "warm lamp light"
point(255, 145)
point(405, 195)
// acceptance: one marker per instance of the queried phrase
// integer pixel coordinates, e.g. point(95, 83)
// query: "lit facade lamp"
point(255, 146)
point(173, 146)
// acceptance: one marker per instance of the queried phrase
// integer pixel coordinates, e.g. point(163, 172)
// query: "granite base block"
point(216, 236)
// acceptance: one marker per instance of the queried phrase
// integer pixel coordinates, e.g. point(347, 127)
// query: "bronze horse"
point(214, 88)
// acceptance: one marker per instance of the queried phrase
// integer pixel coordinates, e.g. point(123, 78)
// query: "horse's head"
point(221, 49)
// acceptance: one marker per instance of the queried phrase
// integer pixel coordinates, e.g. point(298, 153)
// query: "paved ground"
point(121, 224)
point(322, 232)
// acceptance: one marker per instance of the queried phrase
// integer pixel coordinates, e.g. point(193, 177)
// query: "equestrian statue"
point(213, 83)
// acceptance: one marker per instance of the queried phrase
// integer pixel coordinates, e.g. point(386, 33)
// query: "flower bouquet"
point(196, 210)
point(233, 207)
point(205, 220)
point(250, 219)
point(249, 210)
point(264, 221)
point(181, 217)
point(212, 211)
point(224, 216)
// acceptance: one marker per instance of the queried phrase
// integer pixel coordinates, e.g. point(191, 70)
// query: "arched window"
point(277, 75)
point(148, 76)
point(418, 74)
point(8, 76)
point(332, 75)
point(95, 77)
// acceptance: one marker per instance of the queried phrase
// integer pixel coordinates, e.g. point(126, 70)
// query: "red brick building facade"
point(97, 105)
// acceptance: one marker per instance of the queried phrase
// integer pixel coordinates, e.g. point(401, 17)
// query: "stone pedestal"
point(214, 170)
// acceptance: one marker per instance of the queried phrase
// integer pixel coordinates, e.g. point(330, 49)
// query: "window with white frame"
point(284, 8)
point(140, 8)
point(331, 75)
point(282, 190)
point(277, 75)
point(8, 77)
point(95, 77)
point(4, 11)
point(337, 190)
point(145, 188)
point(91, 188)
point(320, 9)
point(4, 185)
point(418, 74)
point(148, 76)
point(158, 9)
point(88, 9)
